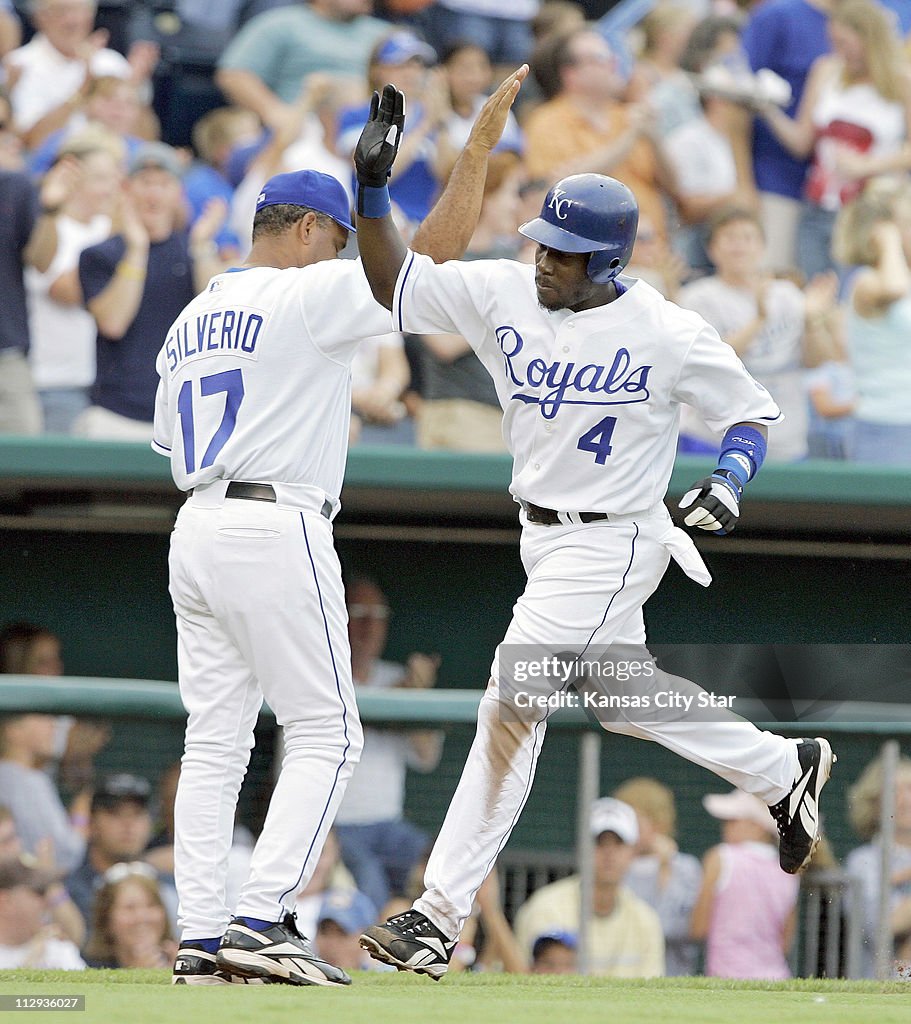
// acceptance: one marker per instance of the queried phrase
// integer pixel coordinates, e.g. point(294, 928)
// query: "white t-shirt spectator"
point(376, 791)
point(702, 158)
point(44, 953)
point(62, 353)
point(47, 78)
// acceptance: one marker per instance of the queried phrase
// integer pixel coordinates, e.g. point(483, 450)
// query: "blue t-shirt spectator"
point(126, 379)
point(785, 36)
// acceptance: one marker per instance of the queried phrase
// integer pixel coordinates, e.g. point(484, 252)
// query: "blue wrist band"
point(373, 202)
point(742, 452)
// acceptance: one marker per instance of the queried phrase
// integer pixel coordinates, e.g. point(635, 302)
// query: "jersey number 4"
point(597, 440)
point(231, 384)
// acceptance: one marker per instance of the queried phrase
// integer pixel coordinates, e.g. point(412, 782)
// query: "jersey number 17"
point(231, 384)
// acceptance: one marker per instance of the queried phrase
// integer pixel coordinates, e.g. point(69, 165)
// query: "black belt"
point(264, 492)
point(550, 517)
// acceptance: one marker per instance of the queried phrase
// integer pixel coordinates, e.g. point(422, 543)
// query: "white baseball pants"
point(260, 610)
point(586, 586)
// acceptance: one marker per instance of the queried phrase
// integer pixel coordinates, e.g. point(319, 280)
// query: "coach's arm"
point(447, 229)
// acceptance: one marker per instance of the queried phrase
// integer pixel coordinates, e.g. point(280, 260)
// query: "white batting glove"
point(713, 504)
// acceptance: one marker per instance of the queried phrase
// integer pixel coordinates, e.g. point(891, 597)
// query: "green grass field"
point(146, 997)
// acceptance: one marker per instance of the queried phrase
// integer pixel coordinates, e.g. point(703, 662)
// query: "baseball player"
point(591, 368)
point(252, 409)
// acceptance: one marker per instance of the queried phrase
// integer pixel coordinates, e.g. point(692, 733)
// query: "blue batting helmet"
point(589, 213)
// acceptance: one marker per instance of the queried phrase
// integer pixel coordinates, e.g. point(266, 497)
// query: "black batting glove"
point(375, 152)
point(713, 503)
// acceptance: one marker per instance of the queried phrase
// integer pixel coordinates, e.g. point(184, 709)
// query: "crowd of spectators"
point(767, 144)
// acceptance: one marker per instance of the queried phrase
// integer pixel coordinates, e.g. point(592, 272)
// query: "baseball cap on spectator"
point(401, 47)
point(740, 806)
point(113, 790)
point(350, 909)
point(312, 189)
point(23, 870)
point(568, 939)
point(610, 815)
point(156, 156)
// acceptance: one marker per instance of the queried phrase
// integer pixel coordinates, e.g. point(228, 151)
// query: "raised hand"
point(143, 58)
point(209, 222)
point(375, 152)
point(60, 182)
point(491, 119)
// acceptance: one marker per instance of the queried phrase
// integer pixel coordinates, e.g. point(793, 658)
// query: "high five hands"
point(379, 142)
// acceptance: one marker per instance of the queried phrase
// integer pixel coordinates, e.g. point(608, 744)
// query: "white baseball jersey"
point(255, 376)
point(591, 400)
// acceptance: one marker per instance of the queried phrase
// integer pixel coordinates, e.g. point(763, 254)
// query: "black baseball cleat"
point(278, 955)
point(797, 816)
point(410, 942)
point(194, 965)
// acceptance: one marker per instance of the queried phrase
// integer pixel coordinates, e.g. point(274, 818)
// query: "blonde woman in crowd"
point(130, 923)
point(863, 864)
point(875, 233)
point(63, 333)
point(853, 121)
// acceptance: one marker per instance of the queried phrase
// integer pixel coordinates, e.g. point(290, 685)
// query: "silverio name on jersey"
point(220, 330)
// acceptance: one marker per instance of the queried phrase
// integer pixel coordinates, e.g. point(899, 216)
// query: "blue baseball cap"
point(312, 189)
point(565, 938)
point(401, 47)
point(350, 909)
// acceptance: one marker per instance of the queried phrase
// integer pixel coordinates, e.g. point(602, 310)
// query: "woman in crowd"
point(423, 158)
point(747, 908)
point(853, 121)
point(63, 333)
point(863, 864)
point(130, 924)
point(469, 77)
point(875, 233)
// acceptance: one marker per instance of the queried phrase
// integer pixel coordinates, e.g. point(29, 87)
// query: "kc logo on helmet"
point(559, 205)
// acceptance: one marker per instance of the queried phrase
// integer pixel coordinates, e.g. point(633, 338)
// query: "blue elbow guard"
point(743, 450)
